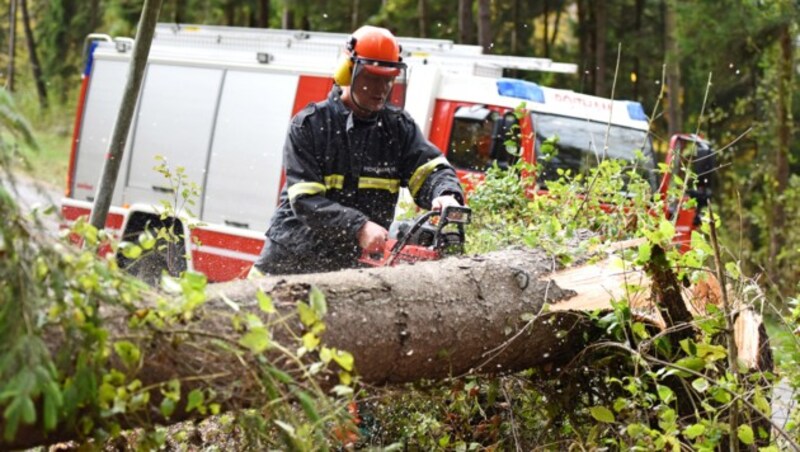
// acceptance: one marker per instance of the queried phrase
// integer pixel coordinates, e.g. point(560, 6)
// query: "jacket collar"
point(335, 99)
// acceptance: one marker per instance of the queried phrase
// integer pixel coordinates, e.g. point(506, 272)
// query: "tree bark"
point(287, 20)
point(432, 320)
point(466, 22)
point(585, 41)
point(784, 142)
point(12, 43)
point(422, 11)
point(355, 20)
point(546, 40)
point(263, 13)
point(180, 8)
point(485, 25)
point(122, 125)
point(94, 15)
point(674, 114)
point(556, 24)
point(229, 9)
point(600, 23)
point(638, 51)
point(41, 90)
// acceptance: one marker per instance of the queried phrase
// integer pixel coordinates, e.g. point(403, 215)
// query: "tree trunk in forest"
point(12, 43)
point(600, 24)
point(554, 36)
point(41, 90)
point(485, 25)
point(230, 13)
point(546, 40)
point(422, 11)
point(355, 21)
point(636, 60)
point(585, 44)
point(674, 114)
point(287, 20)
point(122, 124)
point(180, 7)
point(784, 142)
point(466, 22)
point(94, 15)
point(263, 13)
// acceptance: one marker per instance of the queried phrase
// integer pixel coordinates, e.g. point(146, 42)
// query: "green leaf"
point(733, 269)
point(721, 395)
point(280, 375)
point(665, 393)
point(666, 229)
point(257, 339)
point(745, 434)
point(308, 405)
point(194, 400)
point(265, 302)
point(285, 427)
point(711, 352)
point(130, 250)
point(691, 362)
point(602, 414)
point(167, 407)
point(28, 411)
point(644, 252)
point(639, 330)
point(317, 300)
point(344, 360)
point(310, 341)
point(342, 390)
point(12, 416)
point(52, 401)
point(307, 315)
point(700, 385)
point(693, 431)
point(146, 240)
point(326, 355)
point(128, 352)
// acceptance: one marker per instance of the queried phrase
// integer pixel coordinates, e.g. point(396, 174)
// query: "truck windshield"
point(580, 146)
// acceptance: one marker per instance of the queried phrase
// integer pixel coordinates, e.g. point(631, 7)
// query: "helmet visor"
point(378, 83)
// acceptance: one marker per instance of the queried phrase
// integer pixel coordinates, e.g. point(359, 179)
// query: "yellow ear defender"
point(343, 74)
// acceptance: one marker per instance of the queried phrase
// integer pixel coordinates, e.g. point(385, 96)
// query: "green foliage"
point(52, 293)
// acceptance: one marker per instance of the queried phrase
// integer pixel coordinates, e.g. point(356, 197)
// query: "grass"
point(784, 344)
point(52, 129)
point(50, 162)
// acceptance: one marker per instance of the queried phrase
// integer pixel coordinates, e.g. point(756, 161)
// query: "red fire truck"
point(217, 100)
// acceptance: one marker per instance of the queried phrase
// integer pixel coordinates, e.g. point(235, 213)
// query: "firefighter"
point(346, 159)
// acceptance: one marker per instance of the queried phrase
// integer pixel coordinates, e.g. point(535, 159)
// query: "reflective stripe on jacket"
point(342, 171)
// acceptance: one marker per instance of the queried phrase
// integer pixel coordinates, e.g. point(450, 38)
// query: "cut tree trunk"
point(497, 313)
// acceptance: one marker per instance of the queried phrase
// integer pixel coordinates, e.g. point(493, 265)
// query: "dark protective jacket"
point(342, 171)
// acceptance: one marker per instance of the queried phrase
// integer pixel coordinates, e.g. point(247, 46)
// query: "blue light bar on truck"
point(636, 112)
point(520, 89)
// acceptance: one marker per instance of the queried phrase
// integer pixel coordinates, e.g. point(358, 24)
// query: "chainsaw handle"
point(372, 259)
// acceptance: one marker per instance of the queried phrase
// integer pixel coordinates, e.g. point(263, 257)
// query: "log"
point(492, 314)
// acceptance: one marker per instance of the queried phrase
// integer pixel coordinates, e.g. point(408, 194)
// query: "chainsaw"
point(430, 236)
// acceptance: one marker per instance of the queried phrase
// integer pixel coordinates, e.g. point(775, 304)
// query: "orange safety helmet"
point(374, 48)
